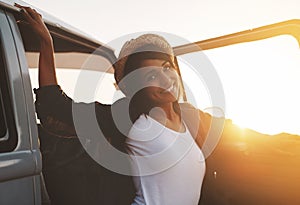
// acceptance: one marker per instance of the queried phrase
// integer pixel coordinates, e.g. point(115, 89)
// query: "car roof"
point(61, 29)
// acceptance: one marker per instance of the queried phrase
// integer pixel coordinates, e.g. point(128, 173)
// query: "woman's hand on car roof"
point(36, 22)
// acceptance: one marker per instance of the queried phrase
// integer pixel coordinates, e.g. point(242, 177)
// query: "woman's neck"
point(168, 117)
point(166, 111)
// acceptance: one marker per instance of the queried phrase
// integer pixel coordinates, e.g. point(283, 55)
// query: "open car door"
point(248, 167)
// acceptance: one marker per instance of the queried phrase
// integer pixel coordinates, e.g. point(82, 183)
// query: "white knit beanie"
point(136, 45)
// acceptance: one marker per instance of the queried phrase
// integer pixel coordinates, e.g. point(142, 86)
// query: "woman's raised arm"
point(47, 75)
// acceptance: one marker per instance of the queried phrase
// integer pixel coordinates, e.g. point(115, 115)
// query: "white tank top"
point(169, 166)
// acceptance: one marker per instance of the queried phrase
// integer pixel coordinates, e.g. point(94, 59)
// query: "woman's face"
point(160, 81)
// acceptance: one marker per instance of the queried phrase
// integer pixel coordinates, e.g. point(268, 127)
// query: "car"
point(245, 166)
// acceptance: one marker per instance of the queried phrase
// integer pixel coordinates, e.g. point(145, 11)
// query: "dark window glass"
point(8, 134)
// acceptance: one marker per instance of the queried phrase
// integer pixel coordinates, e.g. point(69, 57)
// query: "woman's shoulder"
point(145, 129)
point(139, 126)
point(188, 107)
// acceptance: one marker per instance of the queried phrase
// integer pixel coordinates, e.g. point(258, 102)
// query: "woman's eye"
point(167, 68)
point(151, 77)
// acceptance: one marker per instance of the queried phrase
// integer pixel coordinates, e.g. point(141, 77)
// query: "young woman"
point(168, 165)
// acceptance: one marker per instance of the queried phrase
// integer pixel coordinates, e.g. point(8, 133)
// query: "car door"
point(20, 158)
point(248, 166)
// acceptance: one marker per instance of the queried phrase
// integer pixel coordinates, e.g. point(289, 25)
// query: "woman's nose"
point(165, 79)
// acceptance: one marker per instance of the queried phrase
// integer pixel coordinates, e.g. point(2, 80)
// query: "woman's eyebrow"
point(164, 63)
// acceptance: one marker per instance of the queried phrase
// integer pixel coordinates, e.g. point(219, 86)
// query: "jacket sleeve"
point(55, 111)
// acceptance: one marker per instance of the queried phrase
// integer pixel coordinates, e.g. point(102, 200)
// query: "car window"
point(84, 85)
point(8, 134)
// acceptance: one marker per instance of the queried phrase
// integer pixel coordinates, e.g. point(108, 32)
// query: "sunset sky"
point(260, 79)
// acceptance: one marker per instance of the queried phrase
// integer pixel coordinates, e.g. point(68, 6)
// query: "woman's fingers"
point(18, 5)
point(28, 17)
point(35, 21)
point(31, 12)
